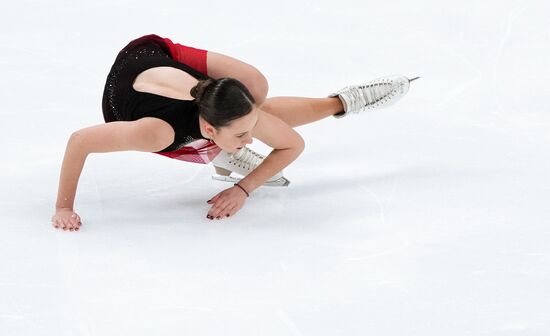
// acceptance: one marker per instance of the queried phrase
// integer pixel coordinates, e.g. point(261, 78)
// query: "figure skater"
point(200, 106)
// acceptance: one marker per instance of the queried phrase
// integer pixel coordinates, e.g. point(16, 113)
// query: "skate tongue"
point(248, 157)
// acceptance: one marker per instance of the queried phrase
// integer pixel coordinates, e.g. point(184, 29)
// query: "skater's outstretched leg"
point(378, 93)
point(297, 111)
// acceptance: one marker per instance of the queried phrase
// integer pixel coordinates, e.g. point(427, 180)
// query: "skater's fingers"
point(78, 222)
point(224, 209)
point(214, 199)
point(224, 202)
point(219, 206)
point(217, 209)
point(66, 220)
point(72, 224)
point(230, 210)
point(67, 224)
point(75, 219)
point(55, 222)
point(233, 210)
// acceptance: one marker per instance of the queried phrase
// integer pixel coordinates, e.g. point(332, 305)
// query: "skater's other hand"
point(226, 203)
point(66, 219)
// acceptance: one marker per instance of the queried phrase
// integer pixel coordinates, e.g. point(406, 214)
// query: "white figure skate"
point(242, 163)
point(378, 93)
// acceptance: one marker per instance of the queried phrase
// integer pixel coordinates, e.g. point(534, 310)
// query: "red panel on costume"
point(200, 151)
point(195, 58)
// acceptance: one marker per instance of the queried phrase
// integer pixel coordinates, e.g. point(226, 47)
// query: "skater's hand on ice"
point(226, 203)
point(66, 219)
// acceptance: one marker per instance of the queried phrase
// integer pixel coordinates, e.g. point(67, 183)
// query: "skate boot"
point(242, 163)
point(378, 93)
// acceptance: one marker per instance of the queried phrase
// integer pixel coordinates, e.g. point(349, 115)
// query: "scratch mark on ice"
point(288, 322)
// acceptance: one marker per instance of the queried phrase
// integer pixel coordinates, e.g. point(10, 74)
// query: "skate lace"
point(247, 158)
point(370, 95)
point(380, 92)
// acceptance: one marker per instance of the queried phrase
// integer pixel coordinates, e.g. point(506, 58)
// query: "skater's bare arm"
point(146, 134)
point(287, 145)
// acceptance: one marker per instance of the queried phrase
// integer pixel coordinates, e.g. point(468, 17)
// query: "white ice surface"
point(428, 218)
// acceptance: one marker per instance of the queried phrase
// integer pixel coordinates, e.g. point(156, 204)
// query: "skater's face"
point(237, 134)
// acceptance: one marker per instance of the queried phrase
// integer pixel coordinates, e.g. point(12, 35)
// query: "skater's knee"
point(258, 87)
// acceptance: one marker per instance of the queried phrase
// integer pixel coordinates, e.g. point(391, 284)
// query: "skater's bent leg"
point(297, 111)
point(220, 65)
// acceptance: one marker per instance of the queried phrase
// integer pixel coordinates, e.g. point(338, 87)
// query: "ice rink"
point(428, 218)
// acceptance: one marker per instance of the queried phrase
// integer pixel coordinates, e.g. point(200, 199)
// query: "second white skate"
point(234, 167)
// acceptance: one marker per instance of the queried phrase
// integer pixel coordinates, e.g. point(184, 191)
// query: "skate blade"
point(280, 182)
point(415, 78)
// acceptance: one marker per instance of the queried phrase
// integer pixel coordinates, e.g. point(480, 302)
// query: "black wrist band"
point(246, 192)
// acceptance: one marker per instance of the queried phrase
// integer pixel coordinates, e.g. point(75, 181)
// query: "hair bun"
point(198, 91)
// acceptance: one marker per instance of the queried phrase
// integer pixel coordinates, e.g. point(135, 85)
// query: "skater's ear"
point(207, 129)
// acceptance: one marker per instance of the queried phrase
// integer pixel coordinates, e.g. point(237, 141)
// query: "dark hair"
point(222, 100)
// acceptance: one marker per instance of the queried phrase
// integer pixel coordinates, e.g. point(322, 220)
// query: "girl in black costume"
point(200, 106)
